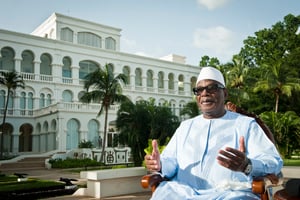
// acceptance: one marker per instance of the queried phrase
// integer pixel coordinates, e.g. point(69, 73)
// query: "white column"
point(15, 143)
point(18, 64)
point(37, 70)
point(75, 74)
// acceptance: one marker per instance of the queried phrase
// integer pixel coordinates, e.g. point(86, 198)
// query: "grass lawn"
point(291, 162)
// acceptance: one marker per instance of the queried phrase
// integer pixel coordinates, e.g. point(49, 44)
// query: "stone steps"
point(29, 163)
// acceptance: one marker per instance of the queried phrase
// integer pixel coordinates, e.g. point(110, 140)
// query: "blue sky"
point(156, 28)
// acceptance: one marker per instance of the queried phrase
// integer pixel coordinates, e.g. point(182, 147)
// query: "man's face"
point(210, 98)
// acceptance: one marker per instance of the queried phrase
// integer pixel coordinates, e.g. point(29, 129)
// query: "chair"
point(291, 191)
point(260, 185)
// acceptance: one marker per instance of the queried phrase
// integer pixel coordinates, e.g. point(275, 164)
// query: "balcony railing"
point(62, 106)
point(70, 81)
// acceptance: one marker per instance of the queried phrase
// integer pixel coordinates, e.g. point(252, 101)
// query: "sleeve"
point(168, 157)
point(262, 152)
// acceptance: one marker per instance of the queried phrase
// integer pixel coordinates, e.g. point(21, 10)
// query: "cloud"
point(212, 4)
point(217, 42)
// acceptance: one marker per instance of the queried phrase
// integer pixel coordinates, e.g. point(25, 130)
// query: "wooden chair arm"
point(260, 184)
point(152, 181)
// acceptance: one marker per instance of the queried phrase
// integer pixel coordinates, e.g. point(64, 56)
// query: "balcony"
point(61, 107)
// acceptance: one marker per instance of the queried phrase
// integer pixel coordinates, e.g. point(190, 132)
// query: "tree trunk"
point(277, 103)
point(3, 122)
point(104, 137)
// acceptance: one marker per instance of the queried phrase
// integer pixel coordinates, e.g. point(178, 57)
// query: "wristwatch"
point(248, 167)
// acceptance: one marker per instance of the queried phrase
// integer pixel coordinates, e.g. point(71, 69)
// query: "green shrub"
point(85, 144)
point(73, 163)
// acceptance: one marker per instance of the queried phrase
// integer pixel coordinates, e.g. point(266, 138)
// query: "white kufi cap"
point(211, 73)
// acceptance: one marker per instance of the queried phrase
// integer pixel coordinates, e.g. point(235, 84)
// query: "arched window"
point(80, 94)
point(181, 83)
point(171, 81)
point(86, 67)
point(10, 103)
point(48, 102)
point(149, 78)
point(67, 96)
point(7, 59)
point(30, 103)
point(23, 103)
point(45, 127)
point(66, 69)
point(42, 100)
point(2, 100)
point(45, 66)
point(72, 134)
point(93, 134)
point(126, 72)
point(110, 43)
point(160, 80)
point(138, 77)
point(66, 34)
point(89, 39)
point(27, 64)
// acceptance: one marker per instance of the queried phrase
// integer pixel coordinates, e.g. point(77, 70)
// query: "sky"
point(157, 28)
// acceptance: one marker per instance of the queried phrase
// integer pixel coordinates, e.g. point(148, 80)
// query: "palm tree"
point(191, 109)
point(278, 80)
point(106, 89)
point(133, 124)
point(138, 122)
point(11, 80)
point(236, 79)
point(285, 127)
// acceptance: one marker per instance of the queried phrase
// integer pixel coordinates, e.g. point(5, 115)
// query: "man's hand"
point(234, 159)
point(153, 161)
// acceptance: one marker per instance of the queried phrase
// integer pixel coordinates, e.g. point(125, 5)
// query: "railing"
point(47, 78)
point(67, 80)
point(28, 76)
point(70, 81)
point(64, 106)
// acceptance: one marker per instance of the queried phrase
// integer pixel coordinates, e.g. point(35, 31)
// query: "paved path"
point(55, 174)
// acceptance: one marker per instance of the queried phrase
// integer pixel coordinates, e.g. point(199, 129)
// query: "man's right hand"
point(153, 161)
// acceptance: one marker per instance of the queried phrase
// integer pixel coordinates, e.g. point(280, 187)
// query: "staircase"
point(28, 163)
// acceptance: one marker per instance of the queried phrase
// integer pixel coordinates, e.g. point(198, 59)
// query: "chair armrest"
point(260, 184)
point(152, 180)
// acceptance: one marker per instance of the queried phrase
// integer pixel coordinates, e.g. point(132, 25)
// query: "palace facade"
point(47, 115)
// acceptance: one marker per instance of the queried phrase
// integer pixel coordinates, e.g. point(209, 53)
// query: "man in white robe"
point(214, 155)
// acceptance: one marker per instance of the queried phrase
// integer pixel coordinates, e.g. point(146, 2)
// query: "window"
point(66, 69)
point(66, 34)
point(42, 100)
point(23, 100)
point(27, 64)
point(30, 103)
point(2, 100)
point(181, 83)
point(45, 66)
point(171, 81)
point(67, 96)
point(126, 72)
point(7, 59)
point(149, 78)
point(48, 103)
point(89, 39)
point(86, 67)
point(160, 80)
point(110, 43)
point(138, 77)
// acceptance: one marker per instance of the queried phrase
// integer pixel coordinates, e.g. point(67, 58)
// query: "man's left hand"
point(234, 159)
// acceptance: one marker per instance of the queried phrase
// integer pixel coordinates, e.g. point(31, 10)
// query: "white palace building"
point(47, 116)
